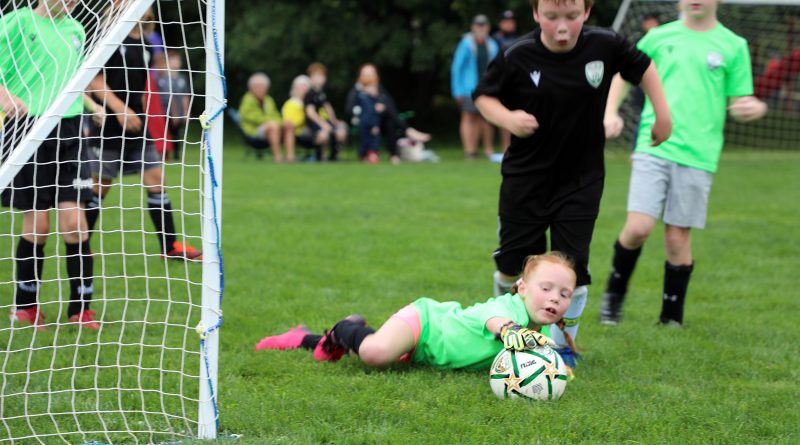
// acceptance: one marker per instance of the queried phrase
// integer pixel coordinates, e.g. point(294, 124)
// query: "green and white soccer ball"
point(538, 374)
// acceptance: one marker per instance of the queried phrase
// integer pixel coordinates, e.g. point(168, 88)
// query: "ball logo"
point(714, 60)
point(594, 73)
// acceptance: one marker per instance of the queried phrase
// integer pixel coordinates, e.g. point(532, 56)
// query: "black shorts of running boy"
point(54, 174)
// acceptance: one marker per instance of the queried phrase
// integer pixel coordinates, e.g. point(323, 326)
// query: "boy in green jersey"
point(705, 68)
point(445, 335)
point(40, 50)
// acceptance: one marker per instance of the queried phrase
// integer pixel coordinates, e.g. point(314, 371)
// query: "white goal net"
point(772, 28)
point(110, 261)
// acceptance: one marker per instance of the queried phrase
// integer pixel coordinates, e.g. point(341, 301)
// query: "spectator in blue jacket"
point(472, 57)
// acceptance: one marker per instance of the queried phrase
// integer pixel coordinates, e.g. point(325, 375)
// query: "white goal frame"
point(211, 145)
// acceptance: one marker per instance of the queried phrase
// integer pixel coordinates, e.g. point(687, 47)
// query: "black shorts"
point(54, 174)
point(519, 240)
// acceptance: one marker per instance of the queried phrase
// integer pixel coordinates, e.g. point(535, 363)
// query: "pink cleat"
point(290, 339)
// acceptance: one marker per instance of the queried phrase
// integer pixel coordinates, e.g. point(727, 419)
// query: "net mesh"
point(135, 379)
point(771, 29)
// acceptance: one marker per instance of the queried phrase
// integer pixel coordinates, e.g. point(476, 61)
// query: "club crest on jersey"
point(535, 76)
point(714, 60)
point(594, 73)
point(76, 42)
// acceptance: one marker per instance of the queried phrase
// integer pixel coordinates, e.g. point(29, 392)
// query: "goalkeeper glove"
point(518, 338)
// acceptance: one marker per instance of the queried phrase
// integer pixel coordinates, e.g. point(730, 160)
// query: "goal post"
point(772, 29)
point(144, 366)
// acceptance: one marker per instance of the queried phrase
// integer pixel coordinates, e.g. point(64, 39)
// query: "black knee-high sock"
point(676, 283)
point(310, 341)
point(92, 211)
point(30, 263)
point(161, 213)
point(622, 268)
point(80, 268)
point(350, 334)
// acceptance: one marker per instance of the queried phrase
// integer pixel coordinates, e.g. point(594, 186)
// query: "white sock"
point(501, 286)
point(571, 318)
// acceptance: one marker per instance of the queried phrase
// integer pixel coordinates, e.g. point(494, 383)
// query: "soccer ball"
point(538, 374)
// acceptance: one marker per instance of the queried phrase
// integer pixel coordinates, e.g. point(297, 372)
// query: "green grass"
point(312, 243)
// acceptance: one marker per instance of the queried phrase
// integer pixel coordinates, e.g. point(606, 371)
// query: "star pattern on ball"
point(551, 370)
point(512, 382)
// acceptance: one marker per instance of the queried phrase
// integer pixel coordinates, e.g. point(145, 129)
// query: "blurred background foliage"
point(411, 42)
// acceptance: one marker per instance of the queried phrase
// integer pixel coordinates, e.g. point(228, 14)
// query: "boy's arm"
point(616, 95)
point(746, 108)
point(330, 111)
point(518, 122)
point(95, 109)
point(311, 113)
point(125, 116)
point(651, 85)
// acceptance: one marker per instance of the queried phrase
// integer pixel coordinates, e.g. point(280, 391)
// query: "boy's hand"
point(518, 338)
point(130, 121)
point(613, 125)
point(662, 129)
point(747, 109)
point(521, 124)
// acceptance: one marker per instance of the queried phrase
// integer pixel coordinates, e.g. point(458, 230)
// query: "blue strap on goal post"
point(205, 123)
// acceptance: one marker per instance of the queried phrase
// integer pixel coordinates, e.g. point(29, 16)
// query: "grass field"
point(312, 243)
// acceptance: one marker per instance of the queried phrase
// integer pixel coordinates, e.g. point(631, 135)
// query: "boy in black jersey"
point(549, 89)
point(121, 146)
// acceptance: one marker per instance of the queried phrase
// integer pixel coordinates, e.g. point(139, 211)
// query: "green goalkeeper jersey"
point(699, 71)
point(453, 337)
point(38, 57)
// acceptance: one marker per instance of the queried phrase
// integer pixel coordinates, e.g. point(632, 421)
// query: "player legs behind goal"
point(121, 145)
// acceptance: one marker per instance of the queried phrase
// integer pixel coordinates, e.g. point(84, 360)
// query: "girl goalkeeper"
point(445, 335)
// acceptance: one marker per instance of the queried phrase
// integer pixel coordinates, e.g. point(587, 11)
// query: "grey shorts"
point(679, 192)
point(111, 158)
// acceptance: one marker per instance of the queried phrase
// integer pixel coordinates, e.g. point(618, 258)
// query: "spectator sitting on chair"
point(320, 116)
point(390, 120)
point(261, 118)
point(294, 117)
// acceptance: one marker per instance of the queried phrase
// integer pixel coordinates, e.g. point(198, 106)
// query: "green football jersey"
point(38, 57)
point(699, 71)
point(453, 337)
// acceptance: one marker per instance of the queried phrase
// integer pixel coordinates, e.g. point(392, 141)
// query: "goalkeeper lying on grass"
point(445, 335)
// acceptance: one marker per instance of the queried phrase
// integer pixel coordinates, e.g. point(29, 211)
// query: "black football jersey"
point(126, 75)
point(567, 94)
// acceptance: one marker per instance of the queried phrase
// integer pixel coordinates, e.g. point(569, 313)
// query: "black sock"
point(622, 268)
point(350, 334)
point(676, 282)
point(310, 341)
point(80, 268)
point(30, 262)
point(92, 211)
point(161, 214)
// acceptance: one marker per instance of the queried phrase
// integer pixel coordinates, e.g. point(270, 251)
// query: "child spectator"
point(369, 130)
point(321, 119)
point(174, 93)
